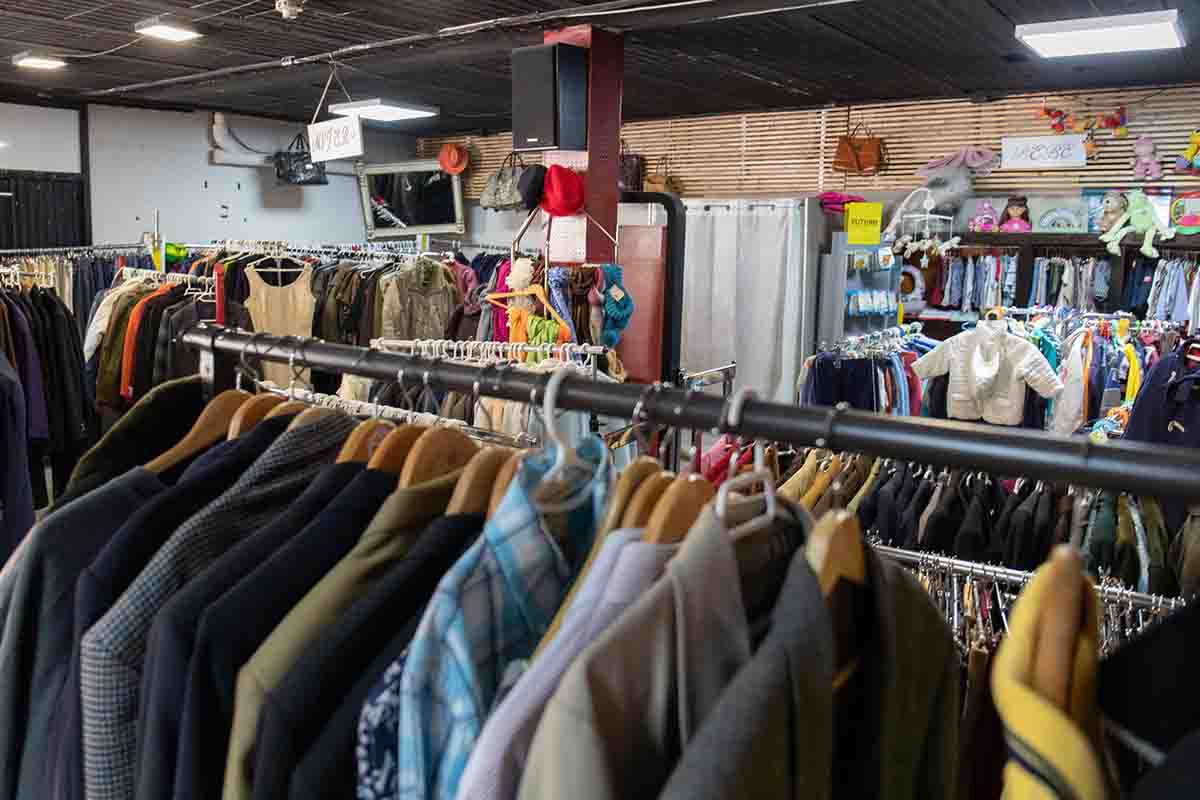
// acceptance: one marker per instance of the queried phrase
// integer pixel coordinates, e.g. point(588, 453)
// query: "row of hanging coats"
point(264, 600)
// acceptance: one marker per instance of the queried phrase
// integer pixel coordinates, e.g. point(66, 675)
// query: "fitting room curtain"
point(742, 291)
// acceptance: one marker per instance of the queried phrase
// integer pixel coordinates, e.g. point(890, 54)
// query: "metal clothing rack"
point(82, 248)
point(1015, 577)
point(1117, 466)
point(170, 277)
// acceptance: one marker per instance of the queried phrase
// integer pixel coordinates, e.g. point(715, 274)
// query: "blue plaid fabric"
point(489, 610)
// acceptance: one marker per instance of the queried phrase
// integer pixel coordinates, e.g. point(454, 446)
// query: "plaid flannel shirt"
point(490, 610)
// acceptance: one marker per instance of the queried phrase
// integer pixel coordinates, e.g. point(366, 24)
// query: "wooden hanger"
point(394, 449)
point(210, 427)
point(534, 290)
point(641, 505)
point(364, 440)
point(1060, 626)
point(473, 492)
point(310, 415)
point(632, 478)
point(835, 553)
point(287, 409)
point(503, 479)
point(439, 451)
point(677, 510)
point(252, 412)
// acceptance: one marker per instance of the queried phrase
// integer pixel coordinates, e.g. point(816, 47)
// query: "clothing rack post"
point(1159, 470)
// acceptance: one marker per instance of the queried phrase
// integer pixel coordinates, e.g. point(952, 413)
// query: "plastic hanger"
point(210, 427)
point(760, 473)
point(835, 553)
point(534, 290)
point(566, 460)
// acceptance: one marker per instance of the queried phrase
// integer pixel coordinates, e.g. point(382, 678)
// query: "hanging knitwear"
point(618, 306)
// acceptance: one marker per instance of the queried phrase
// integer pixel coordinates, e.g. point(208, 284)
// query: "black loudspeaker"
point(549, 97)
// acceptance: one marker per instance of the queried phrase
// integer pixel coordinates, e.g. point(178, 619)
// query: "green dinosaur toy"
point(1140, 217)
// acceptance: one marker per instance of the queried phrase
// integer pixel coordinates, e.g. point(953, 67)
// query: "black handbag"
point(295, 165)
point(632, 173)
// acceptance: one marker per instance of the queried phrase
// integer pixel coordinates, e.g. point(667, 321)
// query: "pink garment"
point(718, 452)
point(500, 315)
point(914, 384)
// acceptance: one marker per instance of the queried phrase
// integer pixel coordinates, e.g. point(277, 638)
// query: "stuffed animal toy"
point(1115, 206)
point(1090, 149)
point(1116, 122)
point(985, 220)
point(1145, 165)
point(1190, 160)
point(1141, 218)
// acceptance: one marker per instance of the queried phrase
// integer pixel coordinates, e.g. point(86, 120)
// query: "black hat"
point(531, 184)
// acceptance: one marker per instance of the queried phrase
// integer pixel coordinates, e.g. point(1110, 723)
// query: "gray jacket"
point(772, 733)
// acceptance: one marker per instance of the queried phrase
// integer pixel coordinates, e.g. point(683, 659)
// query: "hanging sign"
point(863, 223)
point(336, 138)
point(1042, 152)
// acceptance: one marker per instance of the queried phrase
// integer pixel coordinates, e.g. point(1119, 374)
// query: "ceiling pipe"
point(611, 14)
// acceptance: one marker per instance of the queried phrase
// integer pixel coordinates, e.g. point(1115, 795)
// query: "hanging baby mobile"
point(1140, 217)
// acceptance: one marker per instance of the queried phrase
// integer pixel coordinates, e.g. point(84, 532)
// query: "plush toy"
point(1115, 206)
point(1145, 165)
point(985, 219)
point(1190, 160)
point(1140, 218)
point(1116, 122)
point(1090, 149)
point(1059, 119)
point(1016, 215)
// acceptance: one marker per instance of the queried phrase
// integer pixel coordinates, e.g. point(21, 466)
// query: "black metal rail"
point(1117, 466)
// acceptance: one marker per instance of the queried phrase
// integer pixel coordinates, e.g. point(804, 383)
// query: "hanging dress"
point(283, 311)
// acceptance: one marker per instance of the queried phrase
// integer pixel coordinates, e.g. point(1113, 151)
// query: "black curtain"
point(41, 209)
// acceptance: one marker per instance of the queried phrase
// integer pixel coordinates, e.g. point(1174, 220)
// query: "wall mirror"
point(408, 198)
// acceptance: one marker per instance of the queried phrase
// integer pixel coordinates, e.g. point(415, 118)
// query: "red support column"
point(606, 75)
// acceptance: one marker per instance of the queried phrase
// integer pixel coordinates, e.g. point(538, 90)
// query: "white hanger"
point(565, 457)
point(759, 473)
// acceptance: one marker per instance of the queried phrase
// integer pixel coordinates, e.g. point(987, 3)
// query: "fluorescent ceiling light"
point(382, 110)
point(170, 30)
point(3, 145)
point(31, 60)
point(1153, 30)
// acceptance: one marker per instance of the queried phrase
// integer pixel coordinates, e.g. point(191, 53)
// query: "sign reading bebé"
point(336, 138)
point(1042, 152)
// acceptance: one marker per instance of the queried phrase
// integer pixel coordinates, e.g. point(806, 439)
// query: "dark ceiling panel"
point(847, 53)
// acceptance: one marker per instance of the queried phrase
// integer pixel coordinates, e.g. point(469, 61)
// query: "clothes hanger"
point(364, 440)
point(556, 484)
point(679, 507)
point(641, 506)
point(257, 407)
point(835, 552)
point(393, 451)
point(437, 452)
point(210, 427)
point(533, 290)
point(473, 492)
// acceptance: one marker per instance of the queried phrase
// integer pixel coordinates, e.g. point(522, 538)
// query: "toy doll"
point(1016, 216)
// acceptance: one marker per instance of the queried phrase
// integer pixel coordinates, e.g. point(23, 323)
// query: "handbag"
point(633, 170)
point(502, 192)
point(661, 180)
point(295, 165)
point(860, 155)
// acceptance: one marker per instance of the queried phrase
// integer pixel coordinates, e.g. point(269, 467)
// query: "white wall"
point(142, 160)
point(39, 139)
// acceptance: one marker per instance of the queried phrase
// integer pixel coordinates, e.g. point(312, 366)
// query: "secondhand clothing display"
point(989, 369)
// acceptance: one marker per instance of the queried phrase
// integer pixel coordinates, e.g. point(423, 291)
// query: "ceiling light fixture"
point(383, 110)
point(167, 29)
point(1126, 33)
point(30, 59)
point(3, 145)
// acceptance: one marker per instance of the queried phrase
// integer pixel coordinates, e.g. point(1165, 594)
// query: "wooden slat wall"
point(790, 152)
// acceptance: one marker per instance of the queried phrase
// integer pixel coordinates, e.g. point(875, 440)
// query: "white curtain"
point(742, 291)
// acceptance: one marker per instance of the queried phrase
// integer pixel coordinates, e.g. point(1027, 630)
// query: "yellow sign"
point(863, 223)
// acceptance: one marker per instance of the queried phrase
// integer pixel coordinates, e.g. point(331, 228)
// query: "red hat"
point(453, 159)
point(563, 194)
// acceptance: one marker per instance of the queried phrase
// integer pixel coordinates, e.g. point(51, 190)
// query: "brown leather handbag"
point(860, 155)
point(661, 180)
